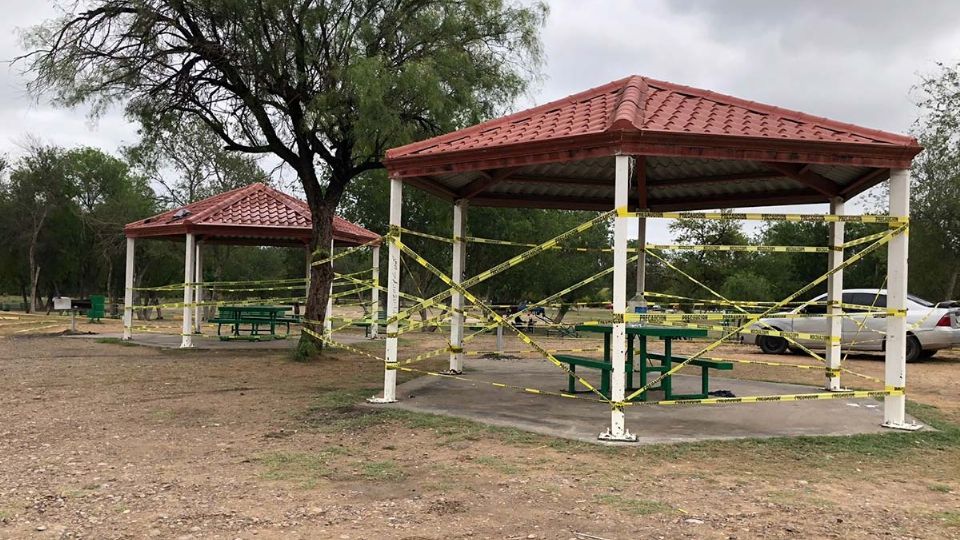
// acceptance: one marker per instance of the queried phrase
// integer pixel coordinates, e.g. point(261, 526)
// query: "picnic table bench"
point(256, 319)
point(649, 362)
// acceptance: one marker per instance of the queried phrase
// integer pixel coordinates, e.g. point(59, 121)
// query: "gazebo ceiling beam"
point(732, 200)
point(865, 181)
point(432, 187)
point(803, 174)
point(551, 180)
point(486, 180)
point(712, 179)
point(550, 202)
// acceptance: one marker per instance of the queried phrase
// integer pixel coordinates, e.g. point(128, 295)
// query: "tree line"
point(325, 88)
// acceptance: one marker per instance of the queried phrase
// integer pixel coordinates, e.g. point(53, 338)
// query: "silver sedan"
point(930, 327)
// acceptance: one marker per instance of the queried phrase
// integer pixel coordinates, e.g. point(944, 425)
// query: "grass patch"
point(498, 464)
point(116, 341)
point(950, 518)
point(382, 471)
point(302, 468)
point(940, 488)
point(636, 507)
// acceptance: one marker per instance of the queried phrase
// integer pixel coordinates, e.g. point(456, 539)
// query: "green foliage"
point(935, 198)
point(65, 211)
point(747, 285)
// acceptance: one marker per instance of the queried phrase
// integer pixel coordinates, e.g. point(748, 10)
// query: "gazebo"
point(641, 146)
point(256, 214)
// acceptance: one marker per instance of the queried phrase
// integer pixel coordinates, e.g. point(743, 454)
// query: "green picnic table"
point(649, 362)
point(255, 318)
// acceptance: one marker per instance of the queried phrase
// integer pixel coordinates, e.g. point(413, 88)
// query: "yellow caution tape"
point(525, 389)
point(534, 351)
point(862, 240)
point(849, 261)
point(850, 394)
point(738, 248)
point(741, 216)
point(346, 252)
point(506, 265)
point(339, 345)
point(496, 316)
point(426, 235)
point(217, 284)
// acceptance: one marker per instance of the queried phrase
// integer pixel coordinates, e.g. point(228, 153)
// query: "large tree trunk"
point(321, 275)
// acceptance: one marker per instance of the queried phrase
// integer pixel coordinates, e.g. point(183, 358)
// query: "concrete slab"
point(172, 341)
point(584, 420)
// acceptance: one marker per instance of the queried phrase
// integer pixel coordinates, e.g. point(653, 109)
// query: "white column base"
point(380, 400)
point(833, 385)
point(609, 436)
point(186, 342)
point(903, 426)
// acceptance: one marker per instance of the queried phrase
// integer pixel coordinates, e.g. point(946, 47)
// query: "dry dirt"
point(101, 440)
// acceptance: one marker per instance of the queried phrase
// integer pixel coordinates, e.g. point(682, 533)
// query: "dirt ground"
point(102, 440)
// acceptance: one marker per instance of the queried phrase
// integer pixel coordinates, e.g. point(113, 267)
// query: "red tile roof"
point(253, 211)
point(657, 112)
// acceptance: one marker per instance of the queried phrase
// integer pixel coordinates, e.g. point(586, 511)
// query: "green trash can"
point(97, 307)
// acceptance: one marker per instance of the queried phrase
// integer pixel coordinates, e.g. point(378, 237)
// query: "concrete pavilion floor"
point(583, 420)
point(202, 343)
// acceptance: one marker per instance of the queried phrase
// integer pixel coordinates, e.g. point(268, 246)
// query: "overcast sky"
point(851, 60)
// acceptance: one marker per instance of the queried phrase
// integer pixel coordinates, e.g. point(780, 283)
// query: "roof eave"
point(655, 143)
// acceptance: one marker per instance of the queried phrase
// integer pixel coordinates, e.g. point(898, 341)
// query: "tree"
point(935, 198)
point(325, 86)
point(65, 211)
point(188, 161)
point(35, 190)
point(107, 196)
point(709, 267)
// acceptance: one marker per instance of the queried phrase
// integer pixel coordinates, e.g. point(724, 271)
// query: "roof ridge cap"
point(227, 200)
point(790, 114)
point(420, 145)
point(631, 105)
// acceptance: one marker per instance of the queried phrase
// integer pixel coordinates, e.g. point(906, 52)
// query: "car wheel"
point(772, 344)
point(913, 349)
point(927, 354)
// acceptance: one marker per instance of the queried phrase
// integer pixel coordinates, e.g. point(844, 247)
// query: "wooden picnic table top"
point(645, 330)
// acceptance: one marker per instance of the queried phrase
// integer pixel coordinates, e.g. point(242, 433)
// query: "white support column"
point(327, 321)
point(618, 339)
point(128, 292)
point(834, 296)
point(375, 294)
point(198, 289)
point(456, 300)
point(186, 339)
point(393, 296)
point(895, 364)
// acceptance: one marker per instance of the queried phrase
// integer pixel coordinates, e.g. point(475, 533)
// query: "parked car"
point(930, 327)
